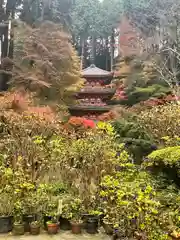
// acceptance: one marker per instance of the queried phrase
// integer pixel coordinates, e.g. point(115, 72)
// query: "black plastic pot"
point(86, 217)
point(46, 219)
point(6, 224)
point(92, 225)
point(28, 219)
point(65, 224)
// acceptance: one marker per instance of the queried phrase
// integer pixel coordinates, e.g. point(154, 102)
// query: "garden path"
point(60, 236)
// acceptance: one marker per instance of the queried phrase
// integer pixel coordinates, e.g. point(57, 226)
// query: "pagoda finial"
point(92, 66)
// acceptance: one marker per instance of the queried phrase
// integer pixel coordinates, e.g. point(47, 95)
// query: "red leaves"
point(88, 123)
point(81, 122)
point(157, 101)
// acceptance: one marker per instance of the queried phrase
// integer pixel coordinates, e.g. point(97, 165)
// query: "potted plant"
point(29, 213)
point(65, 223)
point(6, 210)
point(92, 220)
point(30, 202)
point(76, 216)
point(35, 228)
point(50, 214)
point(28, 219)
point(66, 214)
point(76, 225)
point(18, 226)
point(52, 226)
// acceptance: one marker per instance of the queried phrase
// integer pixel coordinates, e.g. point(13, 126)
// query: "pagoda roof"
point(93, 71)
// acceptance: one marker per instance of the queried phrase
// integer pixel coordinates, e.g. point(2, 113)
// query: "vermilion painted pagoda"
point(92, 99)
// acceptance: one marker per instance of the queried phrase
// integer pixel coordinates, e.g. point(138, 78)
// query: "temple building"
point(92, 100)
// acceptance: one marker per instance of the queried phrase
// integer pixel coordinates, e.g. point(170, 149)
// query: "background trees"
point(159, 23)
point(93, 26)
point(91, 23)
point(49, 65)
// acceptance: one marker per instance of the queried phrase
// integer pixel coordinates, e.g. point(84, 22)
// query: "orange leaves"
point(107, 116)
point(49, 65)
point(75, 121)
point(21, 103)
point(81, 122)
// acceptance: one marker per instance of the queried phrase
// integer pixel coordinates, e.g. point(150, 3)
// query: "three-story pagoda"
point(92, 99)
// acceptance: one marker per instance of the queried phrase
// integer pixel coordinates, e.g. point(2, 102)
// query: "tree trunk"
point(93, 53)
point(82, 52)
point(85, 53)
point(112, 49)
point(107, 53)
point(1, 10)
point(11, 41)
point(5, 44)
point(46, 10)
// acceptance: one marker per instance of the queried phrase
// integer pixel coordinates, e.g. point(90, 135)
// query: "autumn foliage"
point(81, 122)
point(48, 65)
point(20, 105)
point(162, 120)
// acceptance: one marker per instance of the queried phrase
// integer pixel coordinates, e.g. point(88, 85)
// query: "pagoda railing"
point(90, 108)
point(98, 90)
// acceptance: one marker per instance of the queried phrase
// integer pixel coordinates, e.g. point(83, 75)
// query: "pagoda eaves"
point(92, 99)
point(93, 71)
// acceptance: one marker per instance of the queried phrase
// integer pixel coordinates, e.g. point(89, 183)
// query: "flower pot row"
point(29, 224)
point(19, 228)
point(7, 223)
point(89, 223)
point(53, 228)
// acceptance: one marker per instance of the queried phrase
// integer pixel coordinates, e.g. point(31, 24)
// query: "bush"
point(44, 165)
point(131, 203)
point(161, 121)
point(137, 141)
point(139, 94)
point(169, 156)
point(89, 156)
point(167, 159)
point(141, 80)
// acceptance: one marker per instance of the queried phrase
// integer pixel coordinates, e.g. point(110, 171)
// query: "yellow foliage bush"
point(169, 156)
point(161, 120)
